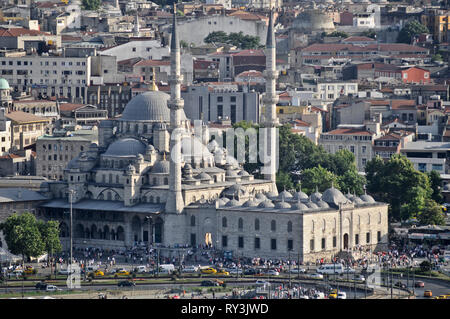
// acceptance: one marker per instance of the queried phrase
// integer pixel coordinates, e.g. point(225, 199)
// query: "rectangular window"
point(368, 238)
point(311, 245)
point(334, 241)
point(273, 244)
point(224, 241)
point(357, 239)
point(193, 240)
point(378, 236)
point(290, 244)
point(240, 242)
point(323, 244)
point(257, 243)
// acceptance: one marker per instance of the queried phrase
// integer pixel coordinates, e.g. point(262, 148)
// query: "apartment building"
point(428, 156)
point(54, 152)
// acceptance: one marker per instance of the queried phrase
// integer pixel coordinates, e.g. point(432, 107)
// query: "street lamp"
point(148, 219)
point(71, 232)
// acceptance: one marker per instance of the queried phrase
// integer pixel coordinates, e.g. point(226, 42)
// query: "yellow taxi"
point(222, 272)
point(98, 273)
point(29, 270)
point(428, 293)
point(209, 270)
point(333, 294)
point(122, 272)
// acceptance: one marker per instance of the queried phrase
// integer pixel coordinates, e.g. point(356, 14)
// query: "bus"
point(331, 269)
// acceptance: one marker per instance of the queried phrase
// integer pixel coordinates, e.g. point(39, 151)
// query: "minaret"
point(270, 100)
point(136, 25)
point(175, 203)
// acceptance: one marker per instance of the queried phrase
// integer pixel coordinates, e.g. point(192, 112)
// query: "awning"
point(102, 205)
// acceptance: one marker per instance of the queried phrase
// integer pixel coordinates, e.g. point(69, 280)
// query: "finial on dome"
point(153, 87)
point(317, 189)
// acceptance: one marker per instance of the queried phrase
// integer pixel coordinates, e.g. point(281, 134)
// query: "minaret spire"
point(270, 100)
point(175, 202)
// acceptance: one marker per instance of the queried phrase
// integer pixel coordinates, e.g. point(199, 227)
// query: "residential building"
point(81, 114)
point(427, 156)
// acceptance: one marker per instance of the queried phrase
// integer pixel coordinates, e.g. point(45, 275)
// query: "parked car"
point(140, 269)
point(41, 285)
point(419, 284)
point(126, 283)
point(121, 272)
point(190, 269)
point(250, 271)
point(298, 271)
point(208, 270)
point(316, 276)
point(319, 295)
point(262, 283)
point(341, 295)
point(63, 272)
point(349, 270)
point(222, 272)
point(272, 272)
point(209, 283)
point(52, 288)
point(234, 271)
point(97, 273)
point(333, 294)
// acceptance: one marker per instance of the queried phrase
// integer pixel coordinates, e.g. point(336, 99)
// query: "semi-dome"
point(271, 195)
point(161, 167)
point(266, 204)
point(148, 106)
point(4, 85)
point(313, 21)
point(367, 198)
point(243, 173)
point(334, 196)
point(358, 201)
point(322, 204)
point(311, 205)
point(203, 176)
point(126, 147)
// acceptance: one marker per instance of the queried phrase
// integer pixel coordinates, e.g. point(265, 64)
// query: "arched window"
point(154, 181)
point(273, 225)
point(192, 220)
point(117, 179)
point(324, 225)
point(240, 224)
point(144, 199)
point(109, 196)
point(224, 222)
point(379, 217)
point(256, 224)
point(312, 226)
point(117, 197)
point(289, 226)
point(101, 197)
point(151, 199)
point(368, 219)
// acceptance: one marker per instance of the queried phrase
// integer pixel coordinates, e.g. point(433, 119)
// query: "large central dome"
point(148, 106)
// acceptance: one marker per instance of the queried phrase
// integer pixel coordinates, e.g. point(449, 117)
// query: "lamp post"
point(148, 219)
point(289, 261)
point(71, 231)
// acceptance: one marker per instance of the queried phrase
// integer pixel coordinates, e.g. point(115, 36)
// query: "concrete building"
point(81, 114)
point(55, 151)
point(428, 156)
point(214, 101)
point(25, 39)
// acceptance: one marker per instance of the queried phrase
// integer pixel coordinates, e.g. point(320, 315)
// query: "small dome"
point(271, 195)
point(315, 197)
point(250, 203)
point(299, 206)
point(234, 190)
point(300, 195)
point(334, 196)
point(73, 163)
point(203, 176)
point(150, 148)
point(230, 173)
point(4, 85)
point(243, 173)
point(358, 201)
point(322, 204)
point(311, 205)
point(367, 198)
point(126, 147)
point(161, 167)
point(285, 195)
point(282, 205)
point(350, 196)
point(266, 204)
point(260, 196)
point(232, 203)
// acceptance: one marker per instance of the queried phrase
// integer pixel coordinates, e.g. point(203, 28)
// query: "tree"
point(397, 182)
point(411, 30)
point(217, 37)
point(431, 214)
point(22, 235)
point(237, 39)
point(284, 181)
point(352, 182)
point(425, 266)
point(437, 58)
point(369, 33)
point(90, 4)
point(317, 177)
point(338, 34)
point(50, 237)
point(435, 181)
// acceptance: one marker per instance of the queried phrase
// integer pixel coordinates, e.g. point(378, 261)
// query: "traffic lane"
point(437, 288)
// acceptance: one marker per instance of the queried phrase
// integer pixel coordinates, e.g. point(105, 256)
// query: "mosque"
point(144, 183)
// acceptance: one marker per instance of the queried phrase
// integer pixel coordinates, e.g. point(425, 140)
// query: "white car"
point(298, 271)
point(272, 272)
point(190, 269)
point(303, 297)
point(341, 295)
point(349, 270)
point(319, 295)
point(316, 276)
point(234, 271)
point(359, 278)
point(52, 288)
point(64, 272)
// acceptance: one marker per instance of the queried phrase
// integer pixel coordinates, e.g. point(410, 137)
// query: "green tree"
point(435, 181)
point(90, 4)
point(352, 182)
point(431, 214)
point(338, 34)
point(397, 182)
point(284, 181)
point(217, 37)
point(369, 33)
point(317, 177)
point(410, 30)
point(22, 235)
point(237, 39)
point(437, 58)
point(50, 237)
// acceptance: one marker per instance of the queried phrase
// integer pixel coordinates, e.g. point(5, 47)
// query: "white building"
point(427, 156)
point(330, 91)
point(147, 49)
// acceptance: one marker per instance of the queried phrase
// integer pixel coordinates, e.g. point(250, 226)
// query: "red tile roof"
point(70, 106)
point(22, 117)
point(152, 63)
point(349, 131)
point(250, 53)
point(16, 32)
